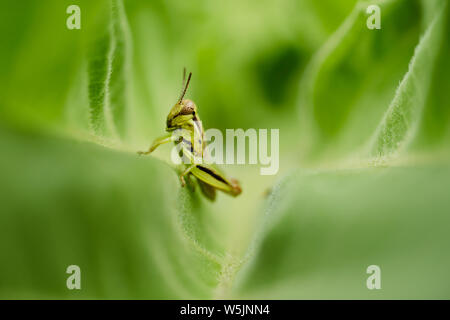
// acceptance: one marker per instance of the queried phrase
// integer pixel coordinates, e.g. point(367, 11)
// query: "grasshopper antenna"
point(184, 77)
point(185, 87)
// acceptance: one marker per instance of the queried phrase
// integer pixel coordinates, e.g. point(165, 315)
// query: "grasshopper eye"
point(188, 107)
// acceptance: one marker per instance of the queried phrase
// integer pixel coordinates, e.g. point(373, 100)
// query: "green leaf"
point(107, 69)
point(324, 228)
point(111, 213)
point(136, 233)
point(98, 70)
point(351, 80)
point(400, 123)
point(118, 93)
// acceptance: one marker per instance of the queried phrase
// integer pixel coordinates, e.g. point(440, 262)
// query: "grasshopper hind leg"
point(207, 190)
point(216, 180)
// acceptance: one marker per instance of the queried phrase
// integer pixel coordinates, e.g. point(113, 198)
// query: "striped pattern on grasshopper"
point(186, 131)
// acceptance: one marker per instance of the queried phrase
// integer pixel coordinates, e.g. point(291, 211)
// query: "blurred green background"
point(364, 119)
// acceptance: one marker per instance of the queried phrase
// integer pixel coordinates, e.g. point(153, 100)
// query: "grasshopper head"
point(183, 111)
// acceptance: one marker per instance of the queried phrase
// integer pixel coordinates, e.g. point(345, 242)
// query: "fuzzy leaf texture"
point(364, 149)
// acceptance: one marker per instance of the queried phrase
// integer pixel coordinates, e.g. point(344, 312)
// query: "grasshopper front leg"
point(159, 141)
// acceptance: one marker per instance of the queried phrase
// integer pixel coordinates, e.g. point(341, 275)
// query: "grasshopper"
point(186, 131)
